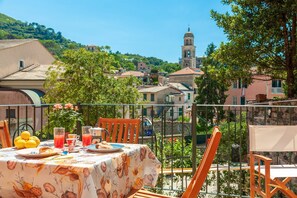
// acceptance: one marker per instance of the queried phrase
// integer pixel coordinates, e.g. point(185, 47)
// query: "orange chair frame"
point(4, 134)
point(200, 175)
point(271, 185)
point(121, 130)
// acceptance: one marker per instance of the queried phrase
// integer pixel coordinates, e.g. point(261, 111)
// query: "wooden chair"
point(267, 179)
point(121, 130)
point(4, 134)
point(200, 175)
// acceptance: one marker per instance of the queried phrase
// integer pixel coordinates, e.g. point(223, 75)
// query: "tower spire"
point(188, 50)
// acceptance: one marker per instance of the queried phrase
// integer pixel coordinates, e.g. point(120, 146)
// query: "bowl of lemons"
point(25, 140)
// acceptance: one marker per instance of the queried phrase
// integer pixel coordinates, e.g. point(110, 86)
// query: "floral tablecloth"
point(83, 174)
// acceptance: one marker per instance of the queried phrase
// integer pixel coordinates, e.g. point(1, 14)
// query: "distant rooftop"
point(4, 44)
point(153, 89)
point(187, 71)
point(132, 73)
point(156, 89)
point(33, 72)
point(179, 86)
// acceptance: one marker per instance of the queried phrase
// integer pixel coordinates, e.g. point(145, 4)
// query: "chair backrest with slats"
point(121, 130)
point(273, 138)
point(204, 165)
point(4, 134)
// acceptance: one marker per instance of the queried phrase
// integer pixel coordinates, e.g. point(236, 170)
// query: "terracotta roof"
point(4, 44)
point(132, 73)
point(187, 71)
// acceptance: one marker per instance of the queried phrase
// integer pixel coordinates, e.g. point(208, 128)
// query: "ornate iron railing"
point(178, 136)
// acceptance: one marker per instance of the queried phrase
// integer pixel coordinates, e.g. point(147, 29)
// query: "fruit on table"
point(25, 135)
point(36, 139)
point(25, 140)
point(30, 144)
point(20, 144)
point(16, 139)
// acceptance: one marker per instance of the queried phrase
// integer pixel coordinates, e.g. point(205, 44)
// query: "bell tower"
point(188, 50)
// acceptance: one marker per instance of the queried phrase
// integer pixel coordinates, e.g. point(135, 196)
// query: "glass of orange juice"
point(86, 135)
point(59, 137)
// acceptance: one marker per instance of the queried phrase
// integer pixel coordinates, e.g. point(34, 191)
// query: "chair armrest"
point(261, 157)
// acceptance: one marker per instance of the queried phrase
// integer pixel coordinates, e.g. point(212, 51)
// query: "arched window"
point(187, 42)
point(189, 53)
point(185, 54)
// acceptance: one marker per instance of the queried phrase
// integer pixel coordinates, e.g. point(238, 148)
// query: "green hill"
point(6, 19)
point(53, 41)
point(56, 44)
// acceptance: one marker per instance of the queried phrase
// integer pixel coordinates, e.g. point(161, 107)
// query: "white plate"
point(47, 143)
point(76, 145)
point(115, 147)
point(34, 153)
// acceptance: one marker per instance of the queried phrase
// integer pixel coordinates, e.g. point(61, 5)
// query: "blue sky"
point(145, 27)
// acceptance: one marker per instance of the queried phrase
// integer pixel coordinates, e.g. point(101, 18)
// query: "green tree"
point(211, 87)
point(3, 34)
point(261, 34)
point(123, 61)
point(169, 67)
point(52, 46)
point(83, 76)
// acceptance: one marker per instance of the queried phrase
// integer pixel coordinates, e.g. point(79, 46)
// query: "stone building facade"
point(186, 76)
point(23, 66)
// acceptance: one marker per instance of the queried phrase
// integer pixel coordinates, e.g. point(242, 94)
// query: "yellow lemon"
point(20, 144)
point(25, 135)
point(36, 139)
point(16, 139)
point(30, 144)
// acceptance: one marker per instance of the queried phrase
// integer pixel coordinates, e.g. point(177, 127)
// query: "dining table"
point(85, 173)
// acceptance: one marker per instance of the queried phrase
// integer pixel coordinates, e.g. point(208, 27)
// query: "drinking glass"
point(71, 144)
point(59, 137)
point(86, 135)
point(97, 134)
point(72, 135)
point(77, 137)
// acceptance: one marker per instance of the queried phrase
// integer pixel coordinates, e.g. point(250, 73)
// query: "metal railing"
point(178, 137)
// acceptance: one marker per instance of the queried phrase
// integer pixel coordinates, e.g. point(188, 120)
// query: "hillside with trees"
point(53, 41)
point(131, 60)
point(57, 44)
